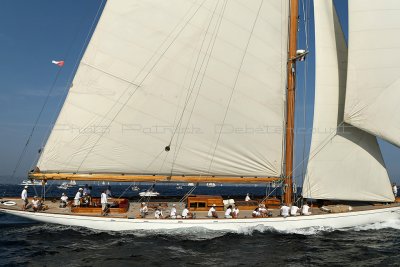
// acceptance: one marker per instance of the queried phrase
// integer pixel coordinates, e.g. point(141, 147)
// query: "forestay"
point(373, 85)
point(177, 87)
point(345, 163)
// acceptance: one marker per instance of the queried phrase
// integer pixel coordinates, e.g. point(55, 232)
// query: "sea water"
point(26, 243)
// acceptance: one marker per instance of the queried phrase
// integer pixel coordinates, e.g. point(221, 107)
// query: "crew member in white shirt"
point(24, 197)
point(394, 189)
point(158, 213)
point(172, 214)
point(285, 210)
point(235, 212)
point(228, 212)
point(247, 198)
point(293, 210)
point(256, 213)
point(78, 196)
point(186, 213)
point(143, 210)
point(36, 203)
point(212, 213)
point(63, 200)
point(305, 210)
point(104, 203)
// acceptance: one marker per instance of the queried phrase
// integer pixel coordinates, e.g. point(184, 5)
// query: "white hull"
point(332, 221)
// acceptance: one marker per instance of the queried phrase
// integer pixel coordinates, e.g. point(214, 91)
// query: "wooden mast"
point(291, 66)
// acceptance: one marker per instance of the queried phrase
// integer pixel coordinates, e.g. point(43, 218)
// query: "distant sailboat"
point(203, 92)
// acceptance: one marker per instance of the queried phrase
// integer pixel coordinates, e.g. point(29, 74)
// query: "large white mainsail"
point(373, 84)
point(345, 163)
point(202, 79)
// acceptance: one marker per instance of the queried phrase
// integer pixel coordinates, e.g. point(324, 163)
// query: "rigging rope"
point(207, 55)
point(305, 8)
point(51, 89)
point(234, 84)
point(188, 193)
point(158, 55)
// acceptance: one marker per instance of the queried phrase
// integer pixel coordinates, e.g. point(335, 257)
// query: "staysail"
point(373, 84)
point(177, 87)
point(345, 163)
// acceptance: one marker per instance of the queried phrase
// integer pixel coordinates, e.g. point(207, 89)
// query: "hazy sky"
point(33, 33)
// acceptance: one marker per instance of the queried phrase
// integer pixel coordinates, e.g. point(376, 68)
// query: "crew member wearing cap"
point(172, 214)
point(212, 213)
point(143, 209)
point(24, 197)
point(186, 214)
point(63, 200)
point(78, 196)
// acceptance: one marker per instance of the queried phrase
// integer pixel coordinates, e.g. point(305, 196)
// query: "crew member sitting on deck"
point(212, 213)
point(63, 200)
point(256, 213)
point(293, 210)
point(158, 213)
point(36, 204)
point(104, 203)
point(235, 212)
point(247, 198)
point(172, 214)
point(285, 210)
point(228, 212)
point(77, 198)
point(305, 210)
point(186, 214)
point(143, 210)
point(263, 210)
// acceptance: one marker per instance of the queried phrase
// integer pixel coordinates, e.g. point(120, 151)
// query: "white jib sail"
point(345, 163)
point(373, 83)
point(202, 79)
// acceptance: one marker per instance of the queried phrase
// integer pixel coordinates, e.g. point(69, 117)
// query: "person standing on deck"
point(24, 197)
point(212, 213)
point(143, 210)
point(77, 198)
point(394, 189)
point(104, 204)
point(247, 198)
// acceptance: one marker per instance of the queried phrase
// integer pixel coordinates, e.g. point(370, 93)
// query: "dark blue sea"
point(26, 243)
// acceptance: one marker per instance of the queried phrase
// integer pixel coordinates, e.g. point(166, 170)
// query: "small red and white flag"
point(59, 63)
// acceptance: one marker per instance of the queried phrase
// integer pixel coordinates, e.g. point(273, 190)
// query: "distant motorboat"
point(135, 188)
point(66, 185)
point(31, 182)
point(210, 184)
point(149, 194)
point(190, 184)
point(179, 187)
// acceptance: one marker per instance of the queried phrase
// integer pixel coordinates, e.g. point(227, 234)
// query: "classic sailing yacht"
point(203, 91)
